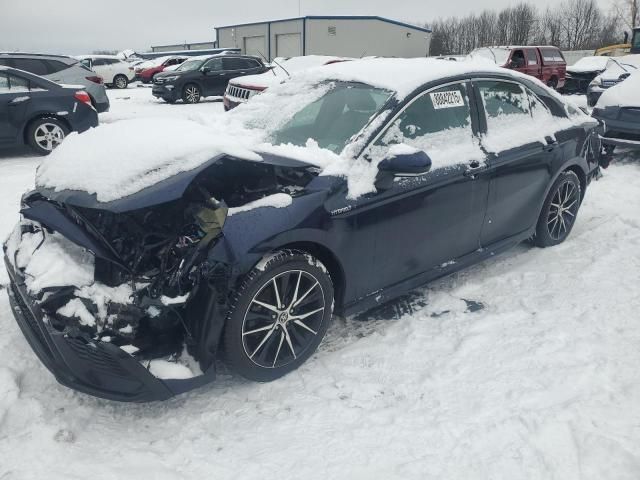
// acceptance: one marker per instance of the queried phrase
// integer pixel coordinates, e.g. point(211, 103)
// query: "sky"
point(77, 27)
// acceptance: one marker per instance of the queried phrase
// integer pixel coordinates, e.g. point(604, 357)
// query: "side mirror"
point(205, 70)
point(405, 161)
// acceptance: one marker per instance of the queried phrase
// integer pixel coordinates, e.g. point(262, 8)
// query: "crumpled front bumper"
point(93, 367)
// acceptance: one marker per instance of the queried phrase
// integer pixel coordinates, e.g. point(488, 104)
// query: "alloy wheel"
point(563, 210)
point(48, 136)
point(283, 319)
point(192, 94)
point(121, 82)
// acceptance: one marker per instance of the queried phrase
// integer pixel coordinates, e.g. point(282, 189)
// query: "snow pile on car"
point(625, 94)
point(122, 158)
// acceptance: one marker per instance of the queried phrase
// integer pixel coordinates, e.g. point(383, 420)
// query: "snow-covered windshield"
point(190, 65)
point(497, 55)
point(334, 118)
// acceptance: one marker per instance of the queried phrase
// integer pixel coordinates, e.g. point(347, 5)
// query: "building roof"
point(333, 17)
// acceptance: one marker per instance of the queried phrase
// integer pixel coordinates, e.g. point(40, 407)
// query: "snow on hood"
point(589, 64)
point(122, 158)
point(624, 94)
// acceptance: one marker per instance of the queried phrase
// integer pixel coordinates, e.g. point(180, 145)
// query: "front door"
point(426, 222)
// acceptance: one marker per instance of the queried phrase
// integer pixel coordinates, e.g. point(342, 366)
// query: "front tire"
point(191, 93)
point(120, 82)
point(559, 210)
point(45, 134)
point(278, 316)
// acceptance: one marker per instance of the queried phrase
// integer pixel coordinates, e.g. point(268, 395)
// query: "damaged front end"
point(117, 302)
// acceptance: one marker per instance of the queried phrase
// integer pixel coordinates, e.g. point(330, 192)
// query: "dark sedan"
point(40, 113)
point(204, 77)
point(247, 258)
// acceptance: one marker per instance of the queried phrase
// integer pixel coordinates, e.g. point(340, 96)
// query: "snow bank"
point(121, 158)
point(624, 94)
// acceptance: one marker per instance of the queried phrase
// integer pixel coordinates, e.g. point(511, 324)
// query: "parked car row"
point(40, 113)
point(61, 70)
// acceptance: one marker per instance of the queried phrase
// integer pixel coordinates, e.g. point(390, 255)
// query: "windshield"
point(497, 55)
point(334, 118)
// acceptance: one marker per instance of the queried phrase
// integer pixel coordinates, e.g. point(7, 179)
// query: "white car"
point(115, 72)
point(618, 68)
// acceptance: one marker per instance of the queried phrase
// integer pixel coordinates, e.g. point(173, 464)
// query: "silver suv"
point(62, 70)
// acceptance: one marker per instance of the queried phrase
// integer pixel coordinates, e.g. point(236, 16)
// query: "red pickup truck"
point(545, 63)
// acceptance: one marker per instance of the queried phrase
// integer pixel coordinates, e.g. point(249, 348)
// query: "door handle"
point(474, 169)
point(551, 144)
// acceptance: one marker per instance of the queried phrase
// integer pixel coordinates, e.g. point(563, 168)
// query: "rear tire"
point(45, 134)
point(559, 211)
point(120, 82)
point(553, 83)
point(278, 316)
point(191, 93)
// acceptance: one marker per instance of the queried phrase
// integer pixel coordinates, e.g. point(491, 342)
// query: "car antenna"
point(267, 61)
point(285, 70)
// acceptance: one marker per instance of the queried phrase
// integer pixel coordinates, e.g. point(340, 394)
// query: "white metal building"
point(345, 36)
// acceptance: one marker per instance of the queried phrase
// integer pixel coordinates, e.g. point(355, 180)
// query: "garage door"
point(288, 45)
point(255, 46)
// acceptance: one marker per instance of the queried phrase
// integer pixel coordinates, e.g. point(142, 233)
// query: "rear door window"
point(36, 66)
point(4, 83)
point(234, 63)
point(438, 123)
point(13, 84)
point(514, 115)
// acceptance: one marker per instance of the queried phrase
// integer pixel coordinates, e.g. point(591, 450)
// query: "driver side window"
point(214, 65)
point(438, 123)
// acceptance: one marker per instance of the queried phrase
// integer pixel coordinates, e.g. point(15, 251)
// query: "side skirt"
point(382, 296)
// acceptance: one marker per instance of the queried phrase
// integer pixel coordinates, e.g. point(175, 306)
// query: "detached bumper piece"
point(86, 365)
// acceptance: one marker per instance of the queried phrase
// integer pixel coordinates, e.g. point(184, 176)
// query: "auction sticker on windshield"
point(450, 99)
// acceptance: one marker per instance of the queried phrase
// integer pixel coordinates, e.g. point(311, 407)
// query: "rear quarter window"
point(54, 66)
point(552, 55)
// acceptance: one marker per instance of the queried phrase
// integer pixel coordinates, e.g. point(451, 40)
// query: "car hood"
point(173, 188)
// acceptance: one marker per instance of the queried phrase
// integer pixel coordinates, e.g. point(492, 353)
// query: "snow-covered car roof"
point(618, 66)
point(99, 161)
point(112, 57)
point(589, 64)
point(624, 94)
point(282, 68)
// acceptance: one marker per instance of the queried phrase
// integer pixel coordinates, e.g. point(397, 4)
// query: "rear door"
point(520, 165)
point(14, 101)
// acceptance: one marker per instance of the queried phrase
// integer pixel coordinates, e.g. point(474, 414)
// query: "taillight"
point(95, 79)
point(83, 97)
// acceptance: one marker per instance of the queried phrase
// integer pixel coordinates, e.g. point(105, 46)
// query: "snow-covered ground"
point(523, 367)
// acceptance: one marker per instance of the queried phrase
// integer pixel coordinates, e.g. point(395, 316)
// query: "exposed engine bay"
point(147, 264)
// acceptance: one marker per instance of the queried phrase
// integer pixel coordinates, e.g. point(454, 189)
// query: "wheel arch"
point(329, 260)
point(39, 116)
